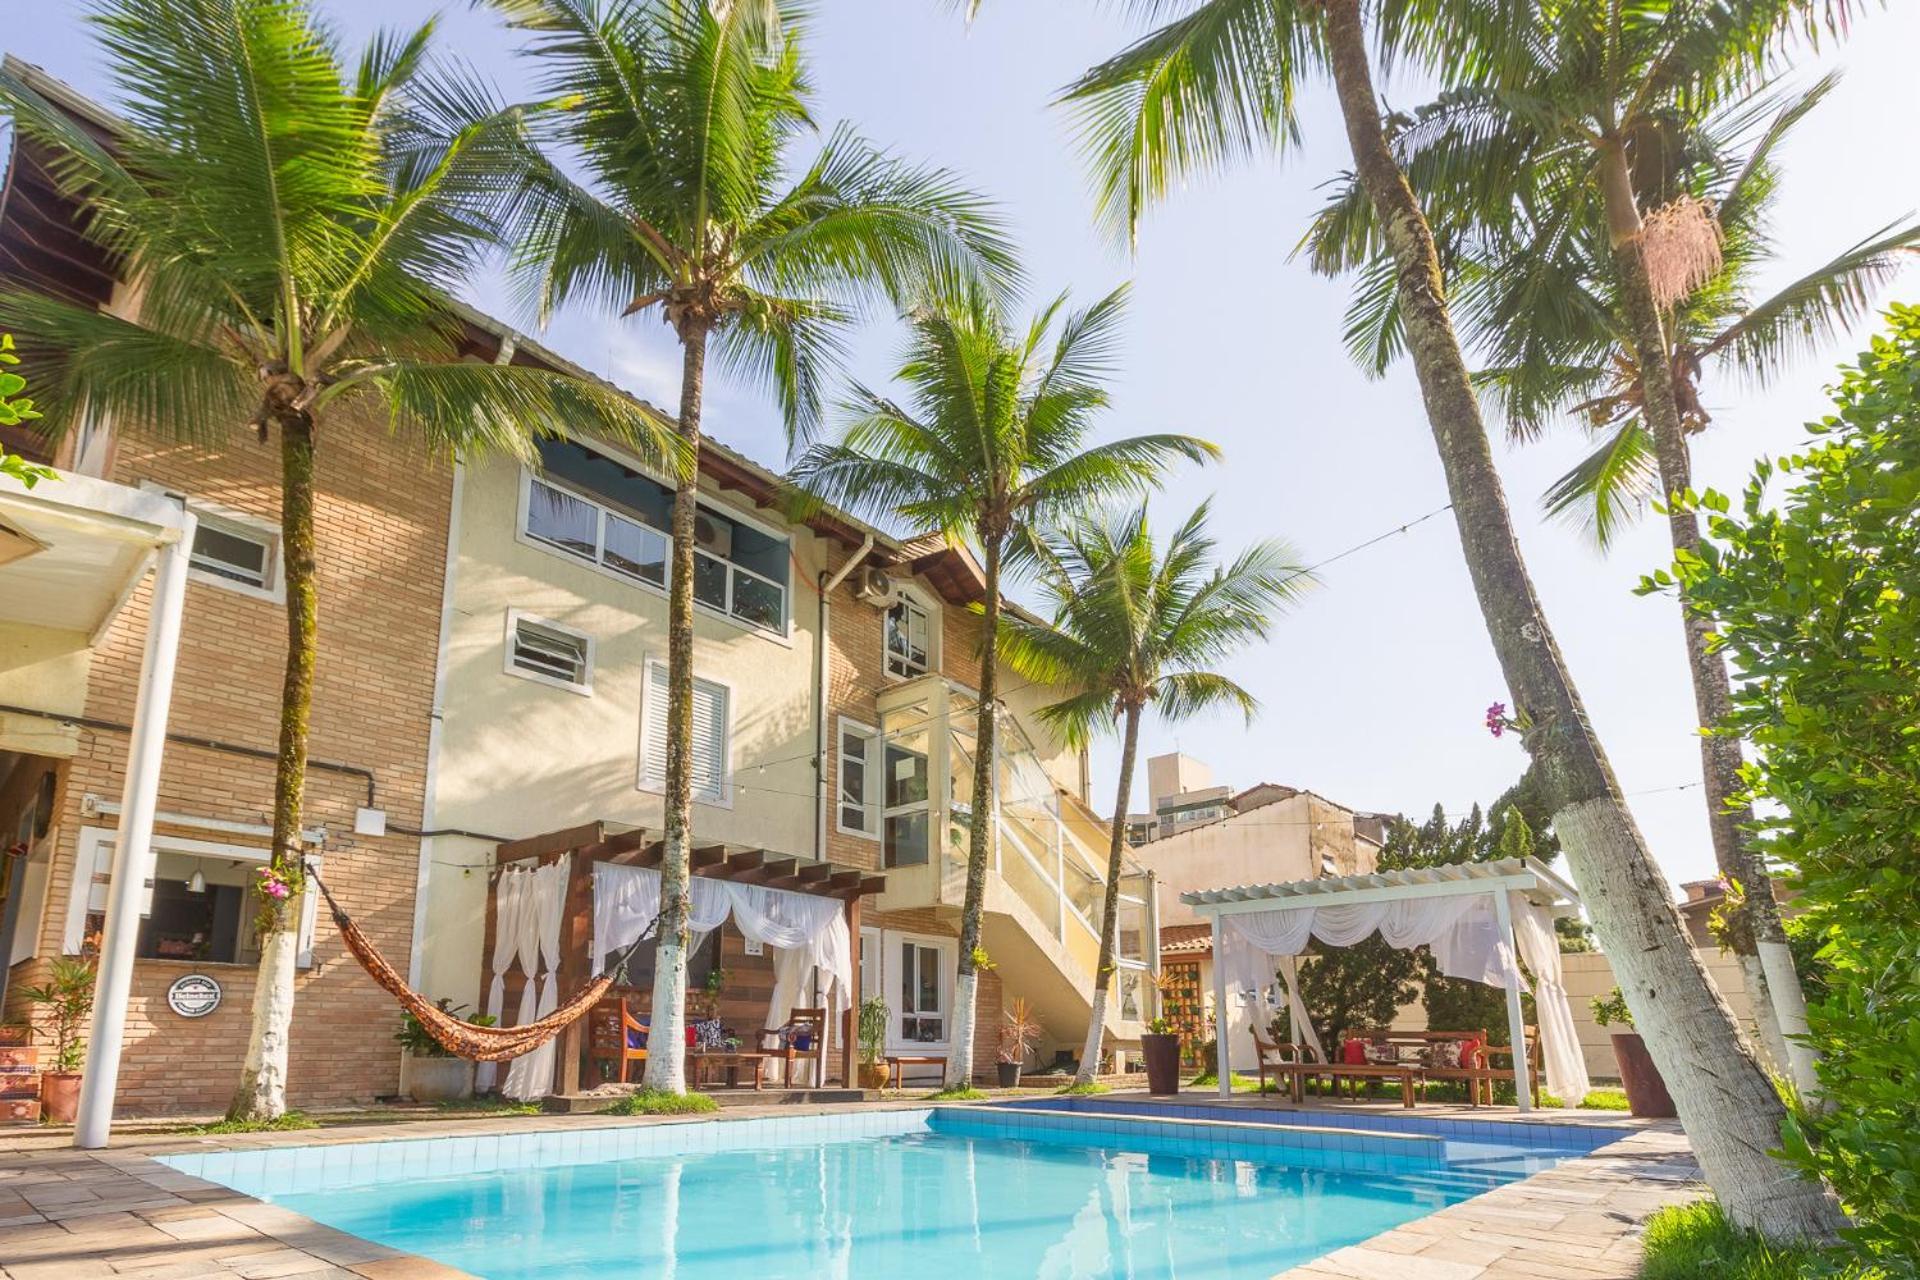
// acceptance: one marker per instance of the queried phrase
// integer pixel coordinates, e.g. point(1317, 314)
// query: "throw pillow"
point(1382, 1054)
point(1443, 1055)
point(1353, 1052)
point(710, 1036)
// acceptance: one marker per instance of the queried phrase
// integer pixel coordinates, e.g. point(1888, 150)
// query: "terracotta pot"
point(1163, 1062)
point(60, 1096)
point(1647, 1095)
point(873, 1075)
point(436, 1079)
point(1009, 1075)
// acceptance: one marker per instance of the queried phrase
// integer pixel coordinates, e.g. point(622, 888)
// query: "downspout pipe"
point(827, 585)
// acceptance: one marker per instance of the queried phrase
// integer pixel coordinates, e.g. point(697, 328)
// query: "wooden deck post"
point(575, 938)
point(850, 1016)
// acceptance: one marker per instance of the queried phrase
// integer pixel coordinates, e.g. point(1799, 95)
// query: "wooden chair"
point(1285, 1062)
point(780, 1044)
point(614, 1029)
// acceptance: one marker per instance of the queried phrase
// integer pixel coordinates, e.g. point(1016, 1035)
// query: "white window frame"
point(94, 858)
point(871, 777)
point(240, 524)
point(913, 598)
point(890, 975)
point(517, 616)
point(658, 786)
point(783, 635)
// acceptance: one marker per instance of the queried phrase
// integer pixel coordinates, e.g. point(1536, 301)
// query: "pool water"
point(933, 1196)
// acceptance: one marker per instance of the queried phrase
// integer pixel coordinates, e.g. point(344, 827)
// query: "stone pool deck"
point(101, 1215)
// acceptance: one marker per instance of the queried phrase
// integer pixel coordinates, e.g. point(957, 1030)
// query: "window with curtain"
point(922, 994)
point(907, 641)
point(711, 739)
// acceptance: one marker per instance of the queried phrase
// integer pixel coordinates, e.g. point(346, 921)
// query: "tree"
point(1541, 210)
point(1219, 81)
point(294, 224)
point(683, 114)
point(988, 451)
point(1817, 596)
point(1135, 626)
point(14, 410)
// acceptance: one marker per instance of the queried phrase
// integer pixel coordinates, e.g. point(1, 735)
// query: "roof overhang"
point(628, 845)
point(73, 548)
point(1526, 876)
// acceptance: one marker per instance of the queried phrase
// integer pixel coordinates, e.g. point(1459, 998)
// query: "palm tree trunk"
point(1727, 1104)
point(666, 1042)
point(262, 1094)
point(1778, 1004)
point(980, 832)
point(1110, 912)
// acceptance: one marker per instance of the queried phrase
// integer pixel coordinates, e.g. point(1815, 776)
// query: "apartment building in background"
point(492, 667)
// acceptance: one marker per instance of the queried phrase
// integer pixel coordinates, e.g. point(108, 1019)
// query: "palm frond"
point(1610, 487)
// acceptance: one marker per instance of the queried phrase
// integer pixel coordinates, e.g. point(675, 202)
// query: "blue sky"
point(1374, 688)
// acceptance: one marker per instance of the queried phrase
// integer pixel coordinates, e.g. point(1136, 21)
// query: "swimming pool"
point(933, 1194)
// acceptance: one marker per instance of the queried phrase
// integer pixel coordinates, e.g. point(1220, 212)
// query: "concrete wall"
point(1588, 974)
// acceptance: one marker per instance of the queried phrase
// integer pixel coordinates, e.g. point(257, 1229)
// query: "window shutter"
point(710, 779)
point(653, 740)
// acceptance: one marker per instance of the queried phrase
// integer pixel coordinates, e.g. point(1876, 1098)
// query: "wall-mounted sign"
point(193, 995)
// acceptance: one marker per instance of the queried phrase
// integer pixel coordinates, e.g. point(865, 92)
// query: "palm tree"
point(988, 451)
point(293, 224)
point(1536, 252)
point(1137, 625)
point(1217, 82)
point(682, 115)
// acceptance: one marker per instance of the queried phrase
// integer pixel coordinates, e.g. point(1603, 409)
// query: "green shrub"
point(1816, 598)
point(659, 1102)
point(291, 1120)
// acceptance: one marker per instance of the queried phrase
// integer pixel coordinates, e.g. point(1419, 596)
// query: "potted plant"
point(64, 1002)
point(873, 1038)
point(1647, 1094)
point(1018, 1033)
point(709, 1006)
point(1161, 1049)
point(429, 1072)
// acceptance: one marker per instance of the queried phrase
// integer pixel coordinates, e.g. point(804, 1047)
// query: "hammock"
point(459, 1037)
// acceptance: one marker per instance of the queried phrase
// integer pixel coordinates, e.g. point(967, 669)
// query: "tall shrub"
point(1818, 598)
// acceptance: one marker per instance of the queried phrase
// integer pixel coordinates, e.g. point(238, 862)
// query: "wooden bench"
point(1297, 1063)
point(896, 1061)
point(1477, 1071)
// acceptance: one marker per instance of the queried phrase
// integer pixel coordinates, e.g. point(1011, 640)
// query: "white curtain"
point(1566, 1066)
point(542, 913)
point(508, 898)
point(1289, 970)
point(626, 899)
point(1255, 996)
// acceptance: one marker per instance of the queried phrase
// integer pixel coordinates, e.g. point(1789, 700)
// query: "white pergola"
point(1269, 905)
point(73, 549)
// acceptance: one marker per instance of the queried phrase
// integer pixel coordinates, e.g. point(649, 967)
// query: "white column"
point(133, 842)
point(1222, 1016)
point(1516, 1019)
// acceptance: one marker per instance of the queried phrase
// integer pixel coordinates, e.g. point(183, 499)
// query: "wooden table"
point(732, 1062)
point(1408, 1074)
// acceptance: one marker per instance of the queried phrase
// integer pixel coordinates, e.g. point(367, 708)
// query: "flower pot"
point(1163, 1062)
point(436, 1079)
point(60, 1096)
point(1647, 1095)
point(1009, 1075)
point(873, 1075)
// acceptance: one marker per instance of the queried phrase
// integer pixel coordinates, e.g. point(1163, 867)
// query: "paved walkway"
point(78, 1215)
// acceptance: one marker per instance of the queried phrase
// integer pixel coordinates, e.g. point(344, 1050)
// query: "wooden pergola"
point(594, 843)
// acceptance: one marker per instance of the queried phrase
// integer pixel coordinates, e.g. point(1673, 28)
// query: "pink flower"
point(1497, 719)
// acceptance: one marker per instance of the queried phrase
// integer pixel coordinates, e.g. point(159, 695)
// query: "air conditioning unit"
point(875, 587)
point(713, 536)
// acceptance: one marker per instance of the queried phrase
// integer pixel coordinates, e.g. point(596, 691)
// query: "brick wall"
point(381, 537)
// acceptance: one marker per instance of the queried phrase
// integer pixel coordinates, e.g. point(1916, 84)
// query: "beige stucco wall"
point(1589, 974)
point(46, 670)
point(518, 757)
point(1270, 845)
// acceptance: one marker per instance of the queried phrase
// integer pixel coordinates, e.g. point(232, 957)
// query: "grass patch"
point(487, 1107)
point(291, 1120)
point(1088, 1089)
point(659, 1102)
point(1696, 1242)
point(1605, 1100)
point(1239, 1084)
point(957, 1093)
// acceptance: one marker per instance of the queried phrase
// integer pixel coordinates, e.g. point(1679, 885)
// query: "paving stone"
point(1363, 1263)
